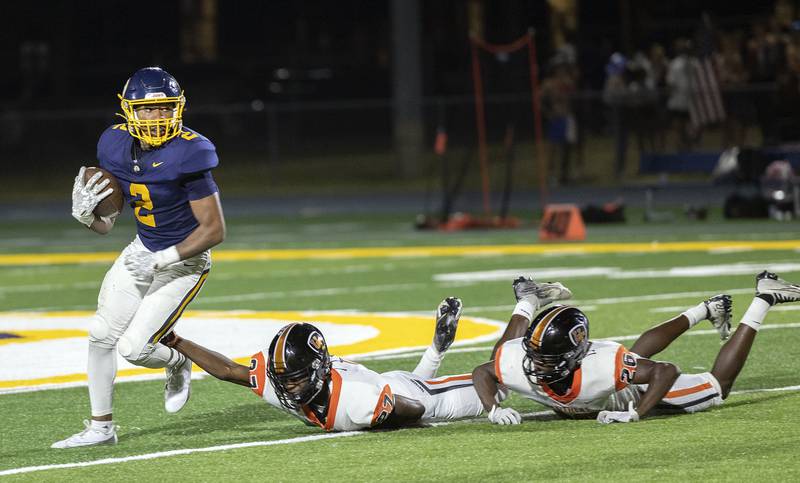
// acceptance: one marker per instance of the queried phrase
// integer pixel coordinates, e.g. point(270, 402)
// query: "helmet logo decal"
point(316, 342)
point(577, 335)
point(155, 95)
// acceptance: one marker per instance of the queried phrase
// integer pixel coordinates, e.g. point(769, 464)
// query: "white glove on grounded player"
point(85, 197)
point(504, 416)
point(143, 264)
point(608, 417)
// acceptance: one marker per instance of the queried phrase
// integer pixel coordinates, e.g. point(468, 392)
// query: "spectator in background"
point(733, 79)
point(632, 104)
point(614, 97)
point(557, 91)
point(657, 65)
point(788, 79)
point(764, 53)
point(678, 83)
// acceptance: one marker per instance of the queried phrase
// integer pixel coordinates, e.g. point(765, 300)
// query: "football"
point(112, 203)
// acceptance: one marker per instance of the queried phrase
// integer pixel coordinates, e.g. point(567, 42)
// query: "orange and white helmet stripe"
point(536, 337)
point(277, 356)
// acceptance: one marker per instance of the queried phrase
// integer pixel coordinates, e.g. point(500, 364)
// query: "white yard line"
point(309, 293)
point(412, 286)
point(179, 452)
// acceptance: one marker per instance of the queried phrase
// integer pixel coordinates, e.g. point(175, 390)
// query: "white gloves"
point(504, 416)
point(143, 264)
point(85, 197)
point(608, 417)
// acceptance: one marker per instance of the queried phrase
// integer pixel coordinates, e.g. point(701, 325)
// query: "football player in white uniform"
point(555, 363)
point(297, 374)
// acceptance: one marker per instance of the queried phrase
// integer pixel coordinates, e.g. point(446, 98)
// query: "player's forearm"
point(662, 376)
point(406, 411)
point(201, 239)
point(485, 385)
point(210, 361)
point(516, 328)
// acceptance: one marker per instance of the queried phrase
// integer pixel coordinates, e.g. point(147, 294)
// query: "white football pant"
point(133, 316)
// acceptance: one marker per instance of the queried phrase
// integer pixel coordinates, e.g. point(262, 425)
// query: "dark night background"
point(279, 85)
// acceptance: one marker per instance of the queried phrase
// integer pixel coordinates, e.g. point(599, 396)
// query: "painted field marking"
point(616, 273)
point(420, 251)
point(25, 336)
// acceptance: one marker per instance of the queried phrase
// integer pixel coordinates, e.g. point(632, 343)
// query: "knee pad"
point(100, 332)
point(133, 351)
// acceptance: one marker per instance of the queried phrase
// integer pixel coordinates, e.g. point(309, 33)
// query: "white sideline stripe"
point(317, 292)
point(179, 452)
point(769, 389)
point(615, 273)
point(302, 439)
point(632, 299)
point(676, 309)
point(794, 325)
point(309, 293)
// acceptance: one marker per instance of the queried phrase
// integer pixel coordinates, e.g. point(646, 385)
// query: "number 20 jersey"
point(159, 183)
point(601, 382)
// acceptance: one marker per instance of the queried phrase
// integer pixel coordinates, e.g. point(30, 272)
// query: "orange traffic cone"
point(562, 222)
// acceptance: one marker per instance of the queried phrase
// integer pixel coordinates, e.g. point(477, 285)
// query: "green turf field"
point(754, 435)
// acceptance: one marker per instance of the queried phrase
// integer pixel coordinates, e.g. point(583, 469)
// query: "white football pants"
point(133, 317)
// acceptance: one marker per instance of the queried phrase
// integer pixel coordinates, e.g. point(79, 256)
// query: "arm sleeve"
point(624, 367)
point(259, 383)
point(201, 158)
point(364, 409)
point(200, 185)
point(258, 373)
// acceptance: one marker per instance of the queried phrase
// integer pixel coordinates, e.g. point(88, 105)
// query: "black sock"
point(767, 297)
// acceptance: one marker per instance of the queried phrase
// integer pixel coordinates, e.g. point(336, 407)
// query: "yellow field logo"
point(62, 337)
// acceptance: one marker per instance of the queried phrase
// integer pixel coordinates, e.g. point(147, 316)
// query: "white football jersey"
point(601, 382)
point(359, 398)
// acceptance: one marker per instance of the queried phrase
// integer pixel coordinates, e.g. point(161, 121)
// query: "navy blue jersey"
point(158, 184)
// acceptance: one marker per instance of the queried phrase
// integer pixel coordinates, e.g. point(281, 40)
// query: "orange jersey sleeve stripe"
point(497, 365)
point(618, 383)
point(385, 405)
point(258, 373)
point(688, 390)
point(333, 402)
point(462, 377)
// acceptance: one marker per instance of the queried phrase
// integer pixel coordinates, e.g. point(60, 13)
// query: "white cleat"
point(178, 387)
point(89, 437)
point(767, 283)
point(541, 293)
point(719, 314)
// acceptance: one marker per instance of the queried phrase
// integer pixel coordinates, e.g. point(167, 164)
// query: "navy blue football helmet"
point(555, 344)
point(147, 87)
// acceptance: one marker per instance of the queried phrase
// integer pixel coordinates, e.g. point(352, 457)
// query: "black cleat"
point(447, 315)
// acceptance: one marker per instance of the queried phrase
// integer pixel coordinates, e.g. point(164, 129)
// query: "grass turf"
point(751, 436)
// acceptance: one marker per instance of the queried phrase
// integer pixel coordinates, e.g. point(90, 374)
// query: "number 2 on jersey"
point(144, 202)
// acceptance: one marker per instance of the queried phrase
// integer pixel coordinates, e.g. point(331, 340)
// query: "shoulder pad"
point(200, 156)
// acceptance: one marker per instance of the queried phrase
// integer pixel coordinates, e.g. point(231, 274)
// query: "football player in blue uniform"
point(164, 171)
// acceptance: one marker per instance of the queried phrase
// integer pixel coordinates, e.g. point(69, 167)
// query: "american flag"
point(705, 100)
